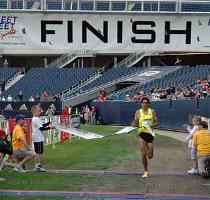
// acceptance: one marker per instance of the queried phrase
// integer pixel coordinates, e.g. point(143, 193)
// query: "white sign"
point(57, 33)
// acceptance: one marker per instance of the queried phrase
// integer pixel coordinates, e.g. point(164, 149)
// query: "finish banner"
point(59, 32)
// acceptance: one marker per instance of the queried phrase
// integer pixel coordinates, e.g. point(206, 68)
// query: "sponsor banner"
point(56, 33)
point(64, 120)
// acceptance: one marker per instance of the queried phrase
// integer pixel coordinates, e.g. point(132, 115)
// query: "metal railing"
point(82, 83)
point(67, 58)
point(14, 78)
point(156, 6)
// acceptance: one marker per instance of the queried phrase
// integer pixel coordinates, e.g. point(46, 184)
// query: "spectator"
point(31, 99)
point(93, 115)
point(9, 98)
point(6, 64)
point(65, 111)
point(5, 149)
point(22, 152)
point(87, 115)
point(196, 120)
point(20, 95)
point(201, 141)
point(38, 136)
point(45, 95)
point(3, 98)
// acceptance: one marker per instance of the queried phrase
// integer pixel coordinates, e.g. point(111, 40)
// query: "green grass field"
point(120, 152)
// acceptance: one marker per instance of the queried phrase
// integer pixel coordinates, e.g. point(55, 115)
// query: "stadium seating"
point(15, 4)
point(7, 73)
point(168, 6)
point(150, 6)
point(198, 7)
point(54, 5)
point(108, 5)
point(88, 5)
point(52, 80)
point(184, 76)
point(118, 6)
point(3, 4)
point(103, 5)
point(110, 75)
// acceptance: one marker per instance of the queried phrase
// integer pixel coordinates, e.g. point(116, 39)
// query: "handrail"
point(21, 71)
point(127, 62)
point(69, 57)
point(83, 82)
point(106, 84)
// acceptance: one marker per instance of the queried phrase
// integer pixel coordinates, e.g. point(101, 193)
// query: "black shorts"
point(38, 147)
point(147, 137)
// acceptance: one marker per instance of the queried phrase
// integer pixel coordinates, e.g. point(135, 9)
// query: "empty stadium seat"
point(3, 4)
point(15, 4)
point(103, 5)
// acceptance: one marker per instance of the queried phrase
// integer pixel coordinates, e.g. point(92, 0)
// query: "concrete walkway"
point(173, 134)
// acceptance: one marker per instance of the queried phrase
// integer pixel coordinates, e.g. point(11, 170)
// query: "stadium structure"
point(73, 49)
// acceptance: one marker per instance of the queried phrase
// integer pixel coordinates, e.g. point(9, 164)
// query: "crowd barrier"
point(172, 114)
point(51, 136)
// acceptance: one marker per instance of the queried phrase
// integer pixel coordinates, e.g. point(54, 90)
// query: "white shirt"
point(37, 134)
point(190, 136)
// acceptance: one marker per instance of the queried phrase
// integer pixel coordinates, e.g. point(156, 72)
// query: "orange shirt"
point(18, 133)
point(201, 141)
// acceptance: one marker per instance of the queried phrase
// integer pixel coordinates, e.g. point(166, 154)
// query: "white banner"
point(51, 33)
point(87, 134)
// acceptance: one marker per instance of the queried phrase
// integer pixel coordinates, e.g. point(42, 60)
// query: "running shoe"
point(192, 171)
point(145, 175)
point(39, 169)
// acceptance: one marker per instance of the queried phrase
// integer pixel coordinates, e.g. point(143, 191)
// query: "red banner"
point(64, 120)
point(27, 128)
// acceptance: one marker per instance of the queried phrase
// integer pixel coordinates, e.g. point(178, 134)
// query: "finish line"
point(117, 172)
point(155, 196)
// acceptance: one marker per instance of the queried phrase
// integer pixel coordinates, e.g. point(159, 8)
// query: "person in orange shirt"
point(22, 152)
point(65, 111)
point(201, 141)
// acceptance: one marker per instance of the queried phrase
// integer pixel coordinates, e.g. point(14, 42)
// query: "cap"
point(2, 133)
point(18, 117)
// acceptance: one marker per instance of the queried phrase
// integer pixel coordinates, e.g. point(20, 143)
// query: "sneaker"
point(192, 171)
point(145, 175)
point(16, 169)
point(19, 169)
point(39, 169)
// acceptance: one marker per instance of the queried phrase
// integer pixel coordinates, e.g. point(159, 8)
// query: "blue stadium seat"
point(86, 5)
point(70, 5)
point(6, 73)
point(118, 6)
point(54, 5)
point(137, 6)
point(3, 4)
point(15, 4)
point(56, 80)
point(195, 7)
point(168, 6)
point(103, 5)
point(150, 6)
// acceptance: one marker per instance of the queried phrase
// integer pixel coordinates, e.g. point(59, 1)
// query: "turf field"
point(116, 153)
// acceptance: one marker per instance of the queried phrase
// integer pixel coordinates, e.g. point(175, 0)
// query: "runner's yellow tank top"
point(145, 119)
